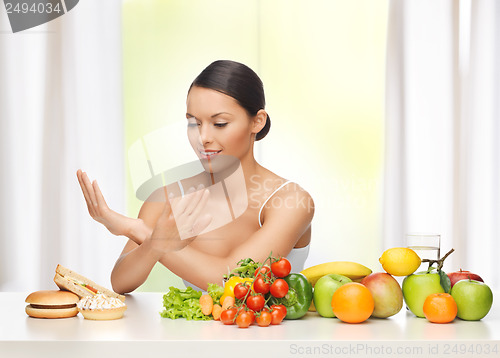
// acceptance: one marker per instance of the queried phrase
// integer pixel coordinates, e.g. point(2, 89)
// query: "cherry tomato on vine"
point(281, 308)
point(256, 302)
point(279, 288)
point(240, 291)
point(264, 271)
point(278, 313)
point(227, 316)
point(281, 268)
point(245, 319)
point(261, 286)
point(264, 319)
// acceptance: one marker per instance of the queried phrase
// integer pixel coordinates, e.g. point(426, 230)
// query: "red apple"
point(386, 293)
point(463, 275)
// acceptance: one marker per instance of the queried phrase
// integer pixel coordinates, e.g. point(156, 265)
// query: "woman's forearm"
point(133, 268)
point(191, 265)
point(138, 231)
point(200, 268)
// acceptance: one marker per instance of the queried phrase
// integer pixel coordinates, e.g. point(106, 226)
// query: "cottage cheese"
point(99, 302)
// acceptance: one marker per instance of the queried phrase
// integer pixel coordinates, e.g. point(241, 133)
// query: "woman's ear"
point(259, 121)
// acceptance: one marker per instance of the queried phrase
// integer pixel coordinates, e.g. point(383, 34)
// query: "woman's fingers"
point(194, 200)
point(200, 204)
point(159, 230)
point(100, 198)
point(90, 190)
point(86, 195)
point(201, 223)
point(190, 220)
point(184, 201)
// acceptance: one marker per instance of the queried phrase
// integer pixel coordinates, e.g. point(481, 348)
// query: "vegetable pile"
point(186, 303)
point(263, 293)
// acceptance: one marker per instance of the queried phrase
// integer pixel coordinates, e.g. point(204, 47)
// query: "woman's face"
point(217, 125)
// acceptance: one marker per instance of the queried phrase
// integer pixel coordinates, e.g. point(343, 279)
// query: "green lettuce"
point(215, 291)
point(183, 304)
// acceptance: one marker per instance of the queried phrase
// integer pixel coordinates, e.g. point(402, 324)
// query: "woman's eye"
point(220, 125)
point(190, 124)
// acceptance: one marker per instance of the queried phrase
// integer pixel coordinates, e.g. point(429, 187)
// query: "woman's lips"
point(207, 154)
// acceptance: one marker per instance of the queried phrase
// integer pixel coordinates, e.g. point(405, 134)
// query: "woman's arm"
point(174, 228)
point(283, 226)
point(117, 224)
point(133, 266)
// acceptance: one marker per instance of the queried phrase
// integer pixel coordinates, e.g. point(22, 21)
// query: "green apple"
point(323, 292)
point(417, 287)
point(386, 293)
point(473, 298)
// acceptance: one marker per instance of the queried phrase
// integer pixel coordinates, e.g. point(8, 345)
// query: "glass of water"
point(427, 246)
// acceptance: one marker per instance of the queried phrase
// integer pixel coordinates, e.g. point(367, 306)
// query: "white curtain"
point(60, 109)
point(442, 170)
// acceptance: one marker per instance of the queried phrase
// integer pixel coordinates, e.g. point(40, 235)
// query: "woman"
point(225, 115)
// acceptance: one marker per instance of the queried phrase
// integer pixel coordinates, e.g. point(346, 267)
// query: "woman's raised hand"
point(181, 221)
point(116, 223)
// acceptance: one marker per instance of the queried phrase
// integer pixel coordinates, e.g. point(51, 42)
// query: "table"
point(143, 330)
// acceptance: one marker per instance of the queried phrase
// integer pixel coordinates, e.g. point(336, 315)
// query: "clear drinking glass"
point(427, 246)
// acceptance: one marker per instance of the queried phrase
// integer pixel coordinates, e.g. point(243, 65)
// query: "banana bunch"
point(353, 270)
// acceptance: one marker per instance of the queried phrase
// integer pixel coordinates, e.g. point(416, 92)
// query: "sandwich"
point(52, 304)
point(68, 280)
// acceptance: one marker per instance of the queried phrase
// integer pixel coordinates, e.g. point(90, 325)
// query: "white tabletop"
point(142, 328)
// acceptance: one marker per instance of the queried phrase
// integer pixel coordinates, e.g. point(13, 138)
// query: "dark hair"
point(239, 82)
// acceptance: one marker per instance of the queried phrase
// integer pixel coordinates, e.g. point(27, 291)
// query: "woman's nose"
point(205, 134)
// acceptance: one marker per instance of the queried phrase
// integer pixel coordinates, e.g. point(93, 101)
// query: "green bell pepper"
point(298, 299)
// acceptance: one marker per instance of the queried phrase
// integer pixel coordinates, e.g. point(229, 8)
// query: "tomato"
point(90, 288)
point(278, 313)
point(240, 291)
point(227, 316)
point(281, 308)
point(264, 319)
point(264, 271)
point(256, 302)
point(261, 286)
point(279, 288)
point(232, 282)
point(281, 268)
point(245, 319)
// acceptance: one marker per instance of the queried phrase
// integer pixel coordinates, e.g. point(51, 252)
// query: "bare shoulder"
point(291, 201)
point(296, 196)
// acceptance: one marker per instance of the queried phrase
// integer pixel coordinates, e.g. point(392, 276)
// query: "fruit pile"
point(432, 293)
point(264, 294)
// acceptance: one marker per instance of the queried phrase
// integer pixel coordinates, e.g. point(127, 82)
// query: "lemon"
point(400, 261)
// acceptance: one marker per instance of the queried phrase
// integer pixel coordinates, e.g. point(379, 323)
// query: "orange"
point(440, 308)
point(353, 303)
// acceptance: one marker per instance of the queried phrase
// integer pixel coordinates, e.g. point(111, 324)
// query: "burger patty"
point(52, 306)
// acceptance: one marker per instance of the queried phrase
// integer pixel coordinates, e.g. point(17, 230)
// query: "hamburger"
point(52, 304)
point(69, 280)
